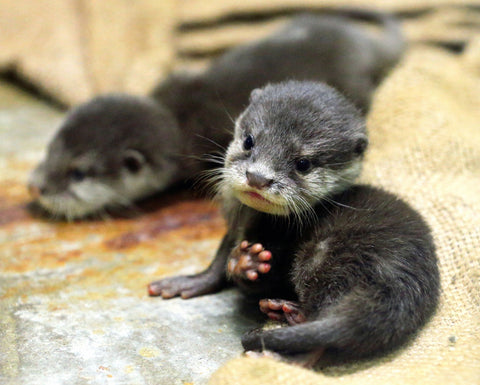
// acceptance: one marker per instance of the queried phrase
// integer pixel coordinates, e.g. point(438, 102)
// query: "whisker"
point(210, 180)
point(220, 100)
point(212, 141)
point(334, 202)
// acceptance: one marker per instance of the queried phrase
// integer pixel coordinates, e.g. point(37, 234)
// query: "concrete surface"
point(73, 302)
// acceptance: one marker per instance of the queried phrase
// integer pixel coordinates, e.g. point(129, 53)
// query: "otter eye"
point(77, 175)
point(248, 143)
point(132, 164)
point(303, 165)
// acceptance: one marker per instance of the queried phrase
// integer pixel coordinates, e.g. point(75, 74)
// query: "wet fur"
point(189, 115)
point(359, 261)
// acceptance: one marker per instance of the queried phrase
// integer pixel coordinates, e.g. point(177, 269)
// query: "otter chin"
point(259, 202)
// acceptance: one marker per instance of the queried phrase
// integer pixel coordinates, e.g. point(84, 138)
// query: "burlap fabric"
point(72, 50)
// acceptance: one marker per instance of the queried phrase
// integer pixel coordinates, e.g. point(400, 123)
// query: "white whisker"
point(212, 141)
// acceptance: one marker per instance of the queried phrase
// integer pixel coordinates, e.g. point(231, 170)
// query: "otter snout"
point(36, 184)
point(258, 180)
point(35, 191)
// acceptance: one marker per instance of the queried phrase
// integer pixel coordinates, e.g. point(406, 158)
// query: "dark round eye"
point(77, 175)
point(248, 143)
point(132, 164)
point(303, 165)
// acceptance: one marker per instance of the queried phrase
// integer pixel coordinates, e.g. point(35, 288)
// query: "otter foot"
point(280, 310)
point(247, 261)
point(185, 286)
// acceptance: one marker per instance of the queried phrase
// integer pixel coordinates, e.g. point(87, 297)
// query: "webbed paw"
point(283, 310)
point(247, 261)
point(185, 286)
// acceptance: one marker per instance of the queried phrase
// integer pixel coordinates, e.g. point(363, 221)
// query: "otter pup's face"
point(108, 153)
point(296, 144)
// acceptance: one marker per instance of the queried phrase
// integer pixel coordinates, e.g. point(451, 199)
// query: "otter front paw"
point(185, 286)
point(283, 310)
point(247, 261)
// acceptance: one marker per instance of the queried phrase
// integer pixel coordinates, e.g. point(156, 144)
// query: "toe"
point(256, 248)
point(252, 275)
point(264, 268)
point(244, 245)
point(265, 256)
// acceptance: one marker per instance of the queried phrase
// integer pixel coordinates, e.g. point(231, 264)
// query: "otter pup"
point(117, 149)
point(351, 268)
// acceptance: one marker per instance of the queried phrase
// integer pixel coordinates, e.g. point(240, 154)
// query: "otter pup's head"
point(297, 143)
point(108, 152)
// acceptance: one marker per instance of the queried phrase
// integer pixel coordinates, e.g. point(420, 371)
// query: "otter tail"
point(351, 327)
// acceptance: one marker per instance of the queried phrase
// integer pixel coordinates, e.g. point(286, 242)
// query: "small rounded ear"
point(361, 145)
point(133, 160)
point(255, 94)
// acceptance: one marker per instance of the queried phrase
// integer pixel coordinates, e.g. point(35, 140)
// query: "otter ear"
point(255, 94)
point(133, 160)
point(361, 145)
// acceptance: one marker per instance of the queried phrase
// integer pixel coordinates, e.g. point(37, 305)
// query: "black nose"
point(257, 180)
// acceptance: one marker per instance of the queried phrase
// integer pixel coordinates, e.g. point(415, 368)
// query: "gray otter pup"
point(351, 268)
point(117, 149)
point(107, 154)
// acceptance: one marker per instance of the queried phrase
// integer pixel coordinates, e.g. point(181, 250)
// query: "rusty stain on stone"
point(184, 215)
point(14, 213)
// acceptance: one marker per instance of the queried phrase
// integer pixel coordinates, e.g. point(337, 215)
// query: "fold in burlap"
point(425, 146)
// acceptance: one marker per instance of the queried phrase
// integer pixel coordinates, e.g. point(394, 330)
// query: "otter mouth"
point(258, 202)
point(257, 196)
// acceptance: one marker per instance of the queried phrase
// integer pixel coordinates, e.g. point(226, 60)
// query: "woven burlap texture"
point(425, 146)
point(73, 50)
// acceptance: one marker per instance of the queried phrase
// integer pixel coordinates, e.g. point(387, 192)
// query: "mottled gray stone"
point(122, 341)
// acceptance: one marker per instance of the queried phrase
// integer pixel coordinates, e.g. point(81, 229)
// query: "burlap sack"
point(425, 146)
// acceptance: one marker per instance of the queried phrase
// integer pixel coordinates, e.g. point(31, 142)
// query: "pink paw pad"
point(248, 261)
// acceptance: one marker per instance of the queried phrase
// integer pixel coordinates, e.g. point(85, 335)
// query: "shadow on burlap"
point(425, 146)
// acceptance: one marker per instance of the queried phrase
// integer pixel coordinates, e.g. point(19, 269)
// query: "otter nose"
point(257, 180)
point(35, 191)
